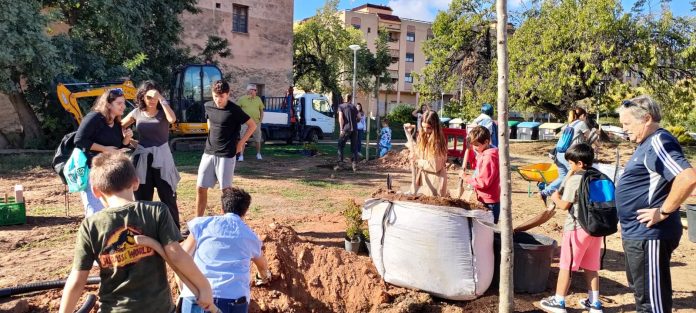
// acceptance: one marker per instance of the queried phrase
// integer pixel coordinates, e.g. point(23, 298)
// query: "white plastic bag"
point(445, 251)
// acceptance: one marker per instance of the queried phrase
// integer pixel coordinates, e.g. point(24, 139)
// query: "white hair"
point(251, 86)
point(642, 106)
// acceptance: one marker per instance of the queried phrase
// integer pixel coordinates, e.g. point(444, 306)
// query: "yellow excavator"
point(189, 89)
point(69, 94)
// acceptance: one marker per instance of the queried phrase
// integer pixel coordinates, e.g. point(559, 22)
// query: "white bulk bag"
point(445, 251)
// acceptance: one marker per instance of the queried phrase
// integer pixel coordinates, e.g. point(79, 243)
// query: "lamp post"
point(355, 49)
point(442, 102)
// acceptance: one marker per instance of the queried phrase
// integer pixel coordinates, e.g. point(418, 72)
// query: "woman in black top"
point(100, 131)
point(152, 118)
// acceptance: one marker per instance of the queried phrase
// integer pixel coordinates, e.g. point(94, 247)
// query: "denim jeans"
point(563, 168)
point(91, 203)
point(495, 209)
point(188, 305)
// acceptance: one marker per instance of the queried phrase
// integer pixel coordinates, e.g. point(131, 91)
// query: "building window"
point(356, 26)
point(408, 78)
point(393, 37)
point(395, 60)
point(411, 36)
point(409, 57)
point(368, 30)
point(240, 18)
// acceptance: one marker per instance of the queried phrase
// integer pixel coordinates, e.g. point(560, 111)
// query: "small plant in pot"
point(352, 213)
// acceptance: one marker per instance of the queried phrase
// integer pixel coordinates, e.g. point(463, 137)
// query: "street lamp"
point(442, 102)
point(355, 49)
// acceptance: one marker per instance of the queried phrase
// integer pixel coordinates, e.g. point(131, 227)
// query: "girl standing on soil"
point(152, 158)
point(101, 131)
point(429, 155)
point(361, 127)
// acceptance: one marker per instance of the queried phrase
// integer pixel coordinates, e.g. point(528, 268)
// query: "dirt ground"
point(296, 210)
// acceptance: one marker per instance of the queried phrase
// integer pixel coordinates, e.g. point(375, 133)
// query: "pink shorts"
point(586, 250)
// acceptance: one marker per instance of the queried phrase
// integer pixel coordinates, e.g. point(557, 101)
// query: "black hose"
point(42, 285)
point(88, 305)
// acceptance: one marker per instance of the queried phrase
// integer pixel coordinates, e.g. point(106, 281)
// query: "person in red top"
point(486, 177)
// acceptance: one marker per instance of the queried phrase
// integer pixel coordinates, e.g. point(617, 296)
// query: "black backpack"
point(597, 213)
point(63, 152)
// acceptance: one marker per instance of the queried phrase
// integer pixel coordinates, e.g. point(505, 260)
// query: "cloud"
point(423, 10)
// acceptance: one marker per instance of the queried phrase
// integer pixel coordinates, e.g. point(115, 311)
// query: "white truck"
point(309, 118)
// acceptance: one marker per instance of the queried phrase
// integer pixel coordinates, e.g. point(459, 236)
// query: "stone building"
point(260, 39)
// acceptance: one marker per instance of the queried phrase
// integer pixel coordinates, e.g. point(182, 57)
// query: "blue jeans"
point(188, 305)
point(495, 208)
point(91, 203)
point(563, 168)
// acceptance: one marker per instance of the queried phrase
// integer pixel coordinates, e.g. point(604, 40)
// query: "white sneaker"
point(240, 158)
point(258, 156)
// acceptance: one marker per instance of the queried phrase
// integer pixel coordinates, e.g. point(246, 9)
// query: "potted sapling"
point(352, 214)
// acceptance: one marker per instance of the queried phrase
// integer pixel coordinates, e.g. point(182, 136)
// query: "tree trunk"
point(31, 127)
point(506, 286)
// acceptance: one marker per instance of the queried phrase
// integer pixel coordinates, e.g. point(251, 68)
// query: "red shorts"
point(586, 250)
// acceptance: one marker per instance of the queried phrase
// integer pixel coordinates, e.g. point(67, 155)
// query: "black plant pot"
point(353, 246)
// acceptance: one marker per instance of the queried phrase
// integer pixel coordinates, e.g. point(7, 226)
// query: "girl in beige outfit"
point(428, 155)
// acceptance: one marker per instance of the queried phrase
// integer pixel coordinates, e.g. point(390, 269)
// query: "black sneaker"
point(595, 307)
point(551, 305)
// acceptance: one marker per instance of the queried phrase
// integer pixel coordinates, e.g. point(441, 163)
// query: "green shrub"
point(401, 114)
point(353, 215)
point(681, 134)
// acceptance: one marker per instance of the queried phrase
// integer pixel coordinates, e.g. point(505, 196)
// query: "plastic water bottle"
point(19, 193)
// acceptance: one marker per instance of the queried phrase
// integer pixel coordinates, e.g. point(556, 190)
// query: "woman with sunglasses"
point(101, 131)
point(152, 158)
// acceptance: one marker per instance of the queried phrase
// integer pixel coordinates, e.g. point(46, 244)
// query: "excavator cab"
point(190, 89)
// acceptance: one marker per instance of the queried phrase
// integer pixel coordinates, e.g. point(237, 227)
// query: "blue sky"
point(427, 9)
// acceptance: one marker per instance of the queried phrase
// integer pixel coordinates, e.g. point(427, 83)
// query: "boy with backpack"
point(589, 196)
point(133, 277)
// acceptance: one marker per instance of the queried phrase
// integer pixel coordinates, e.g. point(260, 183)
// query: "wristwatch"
point(663, 212)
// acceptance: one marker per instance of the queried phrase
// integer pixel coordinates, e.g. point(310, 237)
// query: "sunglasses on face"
point(628, 103)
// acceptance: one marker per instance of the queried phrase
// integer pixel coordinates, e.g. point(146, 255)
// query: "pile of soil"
point(394, 159)
point(439, 201)
point(315, 278)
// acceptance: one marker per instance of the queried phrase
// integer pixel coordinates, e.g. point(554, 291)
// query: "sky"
point(425, 10)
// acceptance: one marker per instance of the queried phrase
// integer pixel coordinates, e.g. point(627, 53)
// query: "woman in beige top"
point(429, 156)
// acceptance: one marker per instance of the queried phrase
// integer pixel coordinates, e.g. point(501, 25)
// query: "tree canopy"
point(566, 52)
point(75, 40)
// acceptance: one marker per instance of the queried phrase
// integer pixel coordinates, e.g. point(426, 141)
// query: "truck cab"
point(309, 118)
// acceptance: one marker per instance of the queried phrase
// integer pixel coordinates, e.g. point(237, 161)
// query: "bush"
point(401, 114)
point(353, 215)
point(681, 134)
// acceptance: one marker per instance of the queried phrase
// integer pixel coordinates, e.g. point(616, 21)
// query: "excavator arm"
point(68, 94)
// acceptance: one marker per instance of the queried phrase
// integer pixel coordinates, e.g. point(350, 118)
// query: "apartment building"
point(260, 39)
point(406, 37)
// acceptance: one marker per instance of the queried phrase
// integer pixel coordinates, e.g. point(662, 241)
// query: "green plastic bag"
point(76, 171)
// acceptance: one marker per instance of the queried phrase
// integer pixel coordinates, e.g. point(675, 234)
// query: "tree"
point(105, 40)
point(29, 59)
point(461, 56)
point(506, 288)
point(321, 56)
point(372, 67)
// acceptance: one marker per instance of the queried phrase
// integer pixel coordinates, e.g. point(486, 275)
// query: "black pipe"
point(88, 305)
point(42, 285)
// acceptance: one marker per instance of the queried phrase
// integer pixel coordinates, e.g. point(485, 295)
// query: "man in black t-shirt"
point(225, 119)
point(348, 126)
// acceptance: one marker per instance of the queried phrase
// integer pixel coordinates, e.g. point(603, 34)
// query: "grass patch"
point(294, 194)
point(187, 158)
point(322, 183)
point(57, 239)
point(18, 163)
